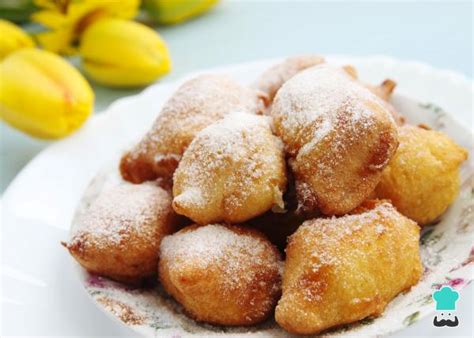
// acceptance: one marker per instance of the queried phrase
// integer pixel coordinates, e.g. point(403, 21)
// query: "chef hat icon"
point(446, 298)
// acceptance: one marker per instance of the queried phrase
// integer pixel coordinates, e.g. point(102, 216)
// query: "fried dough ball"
point(119, 235)
point(422, 179)
point(232, 171)
point(273, 78)
point(341, 270)
point(383, 90)
point(338, 136)
point(196, 104)
point(221, 274)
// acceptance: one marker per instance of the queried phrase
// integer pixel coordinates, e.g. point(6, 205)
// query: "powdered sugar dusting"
point(122, 209)
point(195, 105)
point(273, 78)
point(332, 230)
point(338, 135)
point(379, 229)
point(228, 162)
point(238, 254)
point(314, 99)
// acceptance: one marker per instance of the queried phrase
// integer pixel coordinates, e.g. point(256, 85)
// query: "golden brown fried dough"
point(340, 270)
point(273, 78)
point(224, 275)
point(338, 135)
point(383, 90)
point(120, 234)
point(422, 179)
point(195, 105)
point(232, 171)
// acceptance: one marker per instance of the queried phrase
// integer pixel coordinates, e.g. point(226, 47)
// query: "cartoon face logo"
point(445, 299)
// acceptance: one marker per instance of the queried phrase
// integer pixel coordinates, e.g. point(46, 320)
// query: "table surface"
point(438, 33)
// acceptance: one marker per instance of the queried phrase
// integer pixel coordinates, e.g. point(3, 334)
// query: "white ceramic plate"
point(45, 195)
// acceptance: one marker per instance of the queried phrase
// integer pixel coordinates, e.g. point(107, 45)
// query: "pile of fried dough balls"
point(307, 163)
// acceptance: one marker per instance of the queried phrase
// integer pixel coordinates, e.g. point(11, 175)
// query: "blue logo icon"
point(445, 299)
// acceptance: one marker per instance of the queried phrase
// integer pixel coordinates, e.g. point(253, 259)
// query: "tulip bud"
point(42, 94)
point(172, 12)
point(12, 38)
point(123, 53)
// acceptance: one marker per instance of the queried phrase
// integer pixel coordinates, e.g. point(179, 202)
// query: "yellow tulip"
point(42, 94)
point(12, 38)
point(65, 20)
point(175, 11)
point(121, 53)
